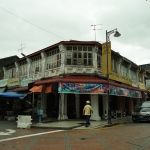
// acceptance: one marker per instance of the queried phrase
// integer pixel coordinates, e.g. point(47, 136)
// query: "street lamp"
point(116, 34)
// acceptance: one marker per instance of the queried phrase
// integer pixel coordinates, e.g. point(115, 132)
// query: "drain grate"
point(83, 138)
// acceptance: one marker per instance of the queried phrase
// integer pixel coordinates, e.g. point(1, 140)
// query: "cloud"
point(64, 20)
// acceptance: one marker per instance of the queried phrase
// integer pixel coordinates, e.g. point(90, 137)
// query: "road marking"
point(8, 133)
point(25, 136)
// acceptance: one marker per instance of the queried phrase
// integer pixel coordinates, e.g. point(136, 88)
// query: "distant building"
point(5, 61)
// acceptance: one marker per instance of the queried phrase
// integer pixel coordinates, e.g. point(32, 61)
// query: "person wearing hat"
point(87, 113)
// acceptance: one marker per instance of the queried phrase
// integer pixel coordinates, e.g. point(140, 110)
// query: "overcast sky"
point(39, 24)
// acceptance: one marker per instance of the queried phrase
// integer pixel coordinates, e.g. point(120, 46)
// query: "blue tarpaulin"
point(12, 95)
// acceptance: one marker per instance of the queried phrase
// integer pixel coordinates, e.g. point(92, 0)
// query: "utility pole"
point(95, 29)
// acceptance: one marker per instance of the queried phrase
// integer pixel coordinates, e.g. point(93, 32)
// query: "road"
point(132, 136)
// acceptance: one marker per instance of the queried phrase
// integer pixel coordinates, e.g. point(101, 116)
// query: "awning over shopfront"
point(38, 88)
point(20, 89)
point(12, 95)
point(48, 88)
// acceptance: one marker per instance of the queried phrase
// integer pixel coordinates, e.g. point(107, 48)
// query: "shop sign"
point(119, 91)
point(85, 88)
point(3, 82)
point(13, 82)
point(82, 88)
point(24, 82)
point(106, 58)
point(120, 78)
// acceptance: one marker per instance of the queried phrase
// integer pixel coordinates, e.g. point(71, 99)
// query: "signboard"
point(82, 88)
point(89, 88)
point(3, 82)
point(119, 91)
point(13, 82)
point(120, 78)
point(106, 58)
point(25, 82)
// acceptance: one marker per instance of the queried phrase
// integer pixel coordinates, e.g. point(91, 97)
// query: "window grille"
point(79, 55)
point(53, 59)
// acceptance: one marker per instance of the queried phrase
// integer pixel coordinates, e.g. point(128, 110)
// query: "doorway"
point(83, 99)
point(71, 106)
point(100, 100)
point(51, 106)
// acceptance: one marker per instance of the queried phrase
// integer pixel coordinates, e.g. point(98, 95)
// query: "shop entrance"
point(83, 99)
point(100, 99)
point(51, 106)
point(71, 106)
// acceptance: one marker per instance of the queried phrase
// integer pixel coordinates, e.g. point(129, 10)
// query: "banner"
point(106, 58)
point(82, 88)
point(87, 88)
point(118, 91)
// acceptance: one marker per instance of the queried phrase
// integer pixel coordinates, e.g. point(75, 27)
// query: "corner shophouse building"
point(71, 92)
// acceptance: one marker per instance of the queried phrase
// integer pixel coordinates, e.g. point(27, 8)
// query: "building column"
point(43, 103)
point(77, 105)
point(63, 107)
point(63, 56)
point(44, 57)
point(94, 104)
point(105, 106)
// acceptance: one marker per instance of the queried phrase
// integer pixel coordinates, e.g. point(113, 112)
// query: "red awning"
point(48, 88)
point(37, 88)
point(21, 89)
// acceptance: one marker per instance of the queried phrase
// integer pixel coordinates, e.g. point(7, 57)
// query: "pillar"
point(43, 102)
point(44, 56)
point(63, 107)
point(105, 106)
point(77, 105)
point(94, 104)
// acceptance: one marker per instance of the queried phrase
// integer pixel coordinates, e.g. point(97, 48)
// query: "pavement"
point(78, 124)
point(73, 135)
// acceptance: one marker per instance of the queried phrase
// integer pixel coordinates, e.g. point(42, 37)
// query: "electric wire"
point(32, 23)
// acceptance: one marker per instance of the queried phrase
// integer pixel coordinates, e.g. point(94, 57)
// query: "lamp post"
point(116, 34)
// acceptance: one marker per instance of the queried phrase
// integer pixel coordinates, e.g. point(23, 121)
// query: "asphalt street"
point(131, 136)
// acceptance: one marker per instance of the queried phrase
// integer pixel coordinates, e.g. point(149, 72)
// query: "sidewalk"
point(78, 124)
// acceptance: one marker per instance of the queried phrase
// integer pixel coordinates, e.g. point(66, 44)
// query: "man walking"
point(87, 113)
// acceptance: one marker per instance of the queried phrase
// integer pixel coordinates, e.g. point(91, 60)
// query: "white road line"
point(25, 136)
point(8, 133)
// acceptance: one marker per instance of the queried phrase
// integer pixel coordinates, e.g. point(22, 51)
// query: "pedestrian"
point(87, 113)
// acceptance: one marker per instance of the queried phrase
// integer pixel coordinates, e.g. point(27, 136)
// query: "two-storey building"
point(67, 74)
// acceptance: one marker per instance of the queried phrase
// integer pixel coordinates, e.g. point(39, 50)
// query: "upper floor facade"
point(75, 58)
